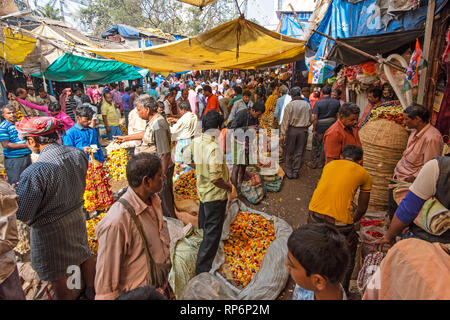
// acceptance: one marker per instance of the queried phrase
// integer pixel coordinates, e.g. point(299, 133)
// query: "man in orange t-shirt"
point(343, 132)
point(212, 103)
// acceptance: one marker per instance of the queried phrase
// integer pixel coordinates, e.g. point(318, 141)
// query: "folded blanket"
point(434, 218)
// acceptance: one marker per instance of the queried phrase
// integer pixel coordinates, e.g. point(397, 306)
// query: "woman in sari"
point(268, 116)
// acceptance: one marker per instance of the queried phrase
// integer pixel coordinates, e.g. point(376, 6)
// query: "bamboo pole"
point(296, 17)
point(426, 50)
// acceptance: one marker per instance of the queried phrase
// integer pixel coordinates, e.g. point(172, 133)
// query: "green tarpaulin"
point(72, 68)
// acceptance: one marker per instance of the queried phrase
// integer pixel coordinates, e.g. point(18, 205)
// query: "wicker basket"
point(383, 142)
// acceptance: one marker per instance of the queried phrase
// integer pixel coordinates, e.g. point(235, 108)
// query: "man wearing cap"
point(50, 201)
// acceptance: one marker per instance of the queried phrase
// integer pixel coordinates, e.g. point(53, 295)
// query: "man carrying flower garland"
point(50, 201)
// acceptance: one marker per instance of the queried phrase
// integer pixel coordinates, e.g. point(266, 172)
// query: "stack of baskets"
point(383, 142)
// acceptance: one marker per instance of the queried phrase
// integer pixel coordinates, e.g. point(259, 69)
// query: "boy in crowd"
point(317, 260)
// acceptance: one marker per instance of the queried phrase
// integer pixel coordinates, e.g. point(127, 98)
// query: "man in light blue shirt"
point(281, 103)
point(82, 136)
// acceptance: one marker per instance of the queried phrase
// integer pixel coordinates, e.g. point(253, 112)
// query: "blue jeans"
point(115, 131)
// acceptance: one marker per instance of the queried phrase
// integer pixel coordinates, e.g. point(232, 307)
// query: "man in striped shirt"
point(50, 201)
point(16, 153)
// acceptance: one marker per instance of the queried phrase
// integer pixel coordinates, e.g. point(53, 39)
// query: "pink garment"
point(422, 146)
point(63, 98)
point(94, 94)
point(117, 98)
point(413, 269)
point(192, 97)
point(121, 260)
point(61, 116)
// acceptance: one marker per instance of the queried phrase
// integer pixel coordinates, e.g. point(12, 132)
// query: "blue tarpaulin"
point(289, 24)
point(123, 30)
point(344, 19)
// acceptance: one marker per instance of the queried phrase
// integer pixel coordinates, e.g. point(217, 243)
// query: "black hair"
point(54, 106)
point(353, 152)
point(41, 89)
point(326, 90)
point(154, 85)
point(247, 93)
point(185, 105)
point(260, 91)
point(338, 91)
point(259, 106)
point(207, 88)
point(199, 90)
point(320, 249)
point(115, 85)
point(238, 90)
point(136, 87)
point(160, 104)
point(142, 293)
point(417, 110)
point(127, 89)
point(348, 109)
point(296, 92)
point(84, 111)
point(376, 92)
point(46, 139)
point(77, 89)
point(142, 165)
point(85, 99)
point(212, 120)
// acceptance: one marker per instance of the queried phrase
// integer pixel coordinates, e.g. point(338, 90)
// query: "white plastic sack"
point(273, 274)
point(206, 286)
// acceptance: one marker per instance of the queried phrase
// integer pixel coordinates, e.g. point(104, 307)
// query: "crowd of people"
point(173, 122)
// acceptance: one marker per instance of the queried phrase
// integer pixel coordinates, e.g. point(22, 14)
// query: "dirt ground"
point(291, 204)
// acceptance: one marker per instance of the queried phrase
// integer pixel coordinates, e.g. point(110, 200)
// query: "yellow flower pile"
point(91, 225)
point(392, 112)
point(186, 185)
point(19, 115)
point(250, 237)
point(117, 164)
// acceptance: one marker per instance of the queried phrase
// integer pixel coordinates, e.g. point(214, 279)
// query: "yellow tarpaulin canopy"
point(15, 46)
point(199, 3)
point(238, 44)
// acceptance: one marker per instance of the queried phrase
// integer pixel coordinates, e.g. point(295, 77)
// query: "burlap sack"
point(186, 209)
point(8, 199)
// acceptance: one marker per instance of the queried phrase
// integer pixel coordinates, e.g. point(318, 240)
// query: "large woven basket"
point(383, 142)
